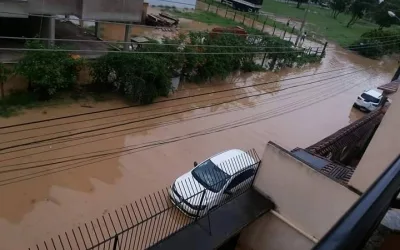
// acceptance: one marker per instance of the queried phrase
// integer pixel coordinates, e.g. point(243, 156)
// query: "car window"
point(241, 178)
point(369, 98)
point(210, 176)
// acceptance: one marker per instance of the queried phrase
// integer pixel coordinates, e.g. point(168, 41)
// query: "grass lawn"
point(320, 21)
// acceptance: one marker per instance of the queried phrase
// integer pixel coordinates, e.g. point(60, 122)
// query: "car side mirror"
point(195, 163)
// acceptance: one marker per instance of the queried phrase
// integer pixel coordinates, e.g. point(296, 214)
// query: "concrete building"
point(30, 18)
point(308, 202)
point(102, 10)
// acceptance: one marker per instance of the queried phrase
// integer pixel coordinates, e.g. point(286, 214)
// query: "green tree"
point(47, 71)
point(380, 14)
point(4, 73)
point(299, 2)
point(358, 9)
point(338, 6)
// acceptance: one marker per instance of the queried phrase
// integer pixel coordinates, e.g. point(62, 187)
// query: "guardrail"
point(356, 226)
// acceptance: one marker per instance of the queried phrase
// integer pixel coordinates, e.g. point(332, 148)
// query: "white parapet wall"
point(308, 199)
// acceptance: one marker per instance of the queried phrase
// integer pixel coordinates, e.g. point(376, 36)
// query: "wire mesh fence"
point(147, 221)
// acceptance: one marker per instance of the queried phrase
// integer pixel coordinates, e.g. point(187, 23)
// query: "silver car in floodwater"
point(213, 181)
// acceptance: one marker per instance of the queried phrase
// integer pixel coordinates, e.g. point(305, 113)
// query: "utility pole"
point(302, 24)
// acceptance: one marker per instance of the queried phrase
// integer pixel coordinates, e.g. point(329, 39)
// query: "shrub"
point(376, 43)
point(139, 77)
point(48, 71)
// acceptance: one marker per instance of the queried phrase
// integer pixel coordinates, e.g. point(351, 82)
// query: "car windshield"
point(369, 98)
point(210, 176)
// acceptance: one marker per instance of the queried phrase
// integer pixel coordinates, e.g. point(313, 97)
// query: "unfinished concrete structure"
point(40, 15)
point(117, 10)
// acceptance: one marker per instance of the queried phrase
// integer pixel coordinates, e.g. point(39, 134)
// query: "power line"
point(170, 122)
point(152, 44)
point(161, 101)
point(208, 131)
point(146, 126)
point(141, 120)
point(135, 112)
point(170, 114)
point(189, 45)
point(113, 122)
point(156, 52)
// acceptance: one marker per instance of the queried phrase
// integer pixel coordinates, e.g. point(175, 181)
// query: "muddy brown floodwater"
point(52, 177)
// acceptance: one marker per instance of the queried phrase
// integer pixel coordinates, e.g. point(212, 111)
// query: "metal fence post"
point(216, 12)
point(226, 12)
point(263, 60)
point(263, 26)
point(316, 52)
point(234, 16)
point(208, 8)
point(323, 50)
point(115, 242)
point(273, 32)
point(201, 203)
point(284, 34)
point(244, 17)
point(252, 24)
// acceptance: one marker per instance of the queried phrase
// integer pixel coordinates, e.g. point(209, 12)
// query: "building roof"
point(335, 171)
point(348, 134)
point(390, 87)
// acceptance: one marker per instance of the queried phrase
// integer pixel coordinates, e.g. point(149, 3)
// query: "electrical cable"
point(170, 122)
point(140, 120)
point(47, 151)
point(117, 115)
point(161, 101)
point(125, 120)
point(46, 172)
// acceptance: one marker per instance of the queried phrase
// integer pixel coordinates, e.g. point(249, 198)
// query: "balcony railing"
point(356, 226)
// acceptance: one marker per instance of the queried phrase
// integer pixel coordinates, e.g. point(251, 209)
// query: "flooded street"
point(58, 174)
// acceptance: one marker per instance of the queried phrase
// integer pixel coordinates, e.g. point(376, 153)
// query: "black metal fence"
point(143, 223)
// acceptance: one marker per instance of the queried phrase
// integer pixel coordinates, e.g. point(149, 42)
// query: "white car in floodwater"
point(211, 182)
point(369, 100)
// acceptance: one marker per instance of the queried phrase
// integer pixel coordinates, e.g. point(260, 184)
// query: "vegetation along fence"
point(259, 21)
point(143, 223)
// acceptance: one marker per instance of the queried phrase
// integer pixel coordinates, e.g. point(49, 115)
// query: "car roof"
point(232, 161)
point(374, 93)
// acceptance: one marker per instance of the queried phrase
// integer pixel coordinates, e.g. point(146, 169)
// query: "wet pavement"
point(58, 174)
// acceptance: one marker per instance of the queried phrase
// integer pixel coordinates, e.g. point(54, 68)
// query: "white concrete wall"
point(115, 10)
point(307, 198)
point(271, 233)
point(180, 4)
point(382, 150)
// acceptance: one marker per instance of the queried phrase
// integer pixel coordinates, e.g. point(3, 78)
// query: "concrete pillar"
point(97, 29)
point(81, 23)
point(52, 30)
point(127, 36)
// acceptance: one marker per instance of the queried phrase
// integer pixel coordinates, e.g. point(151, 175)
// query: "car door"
point(240, 182)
